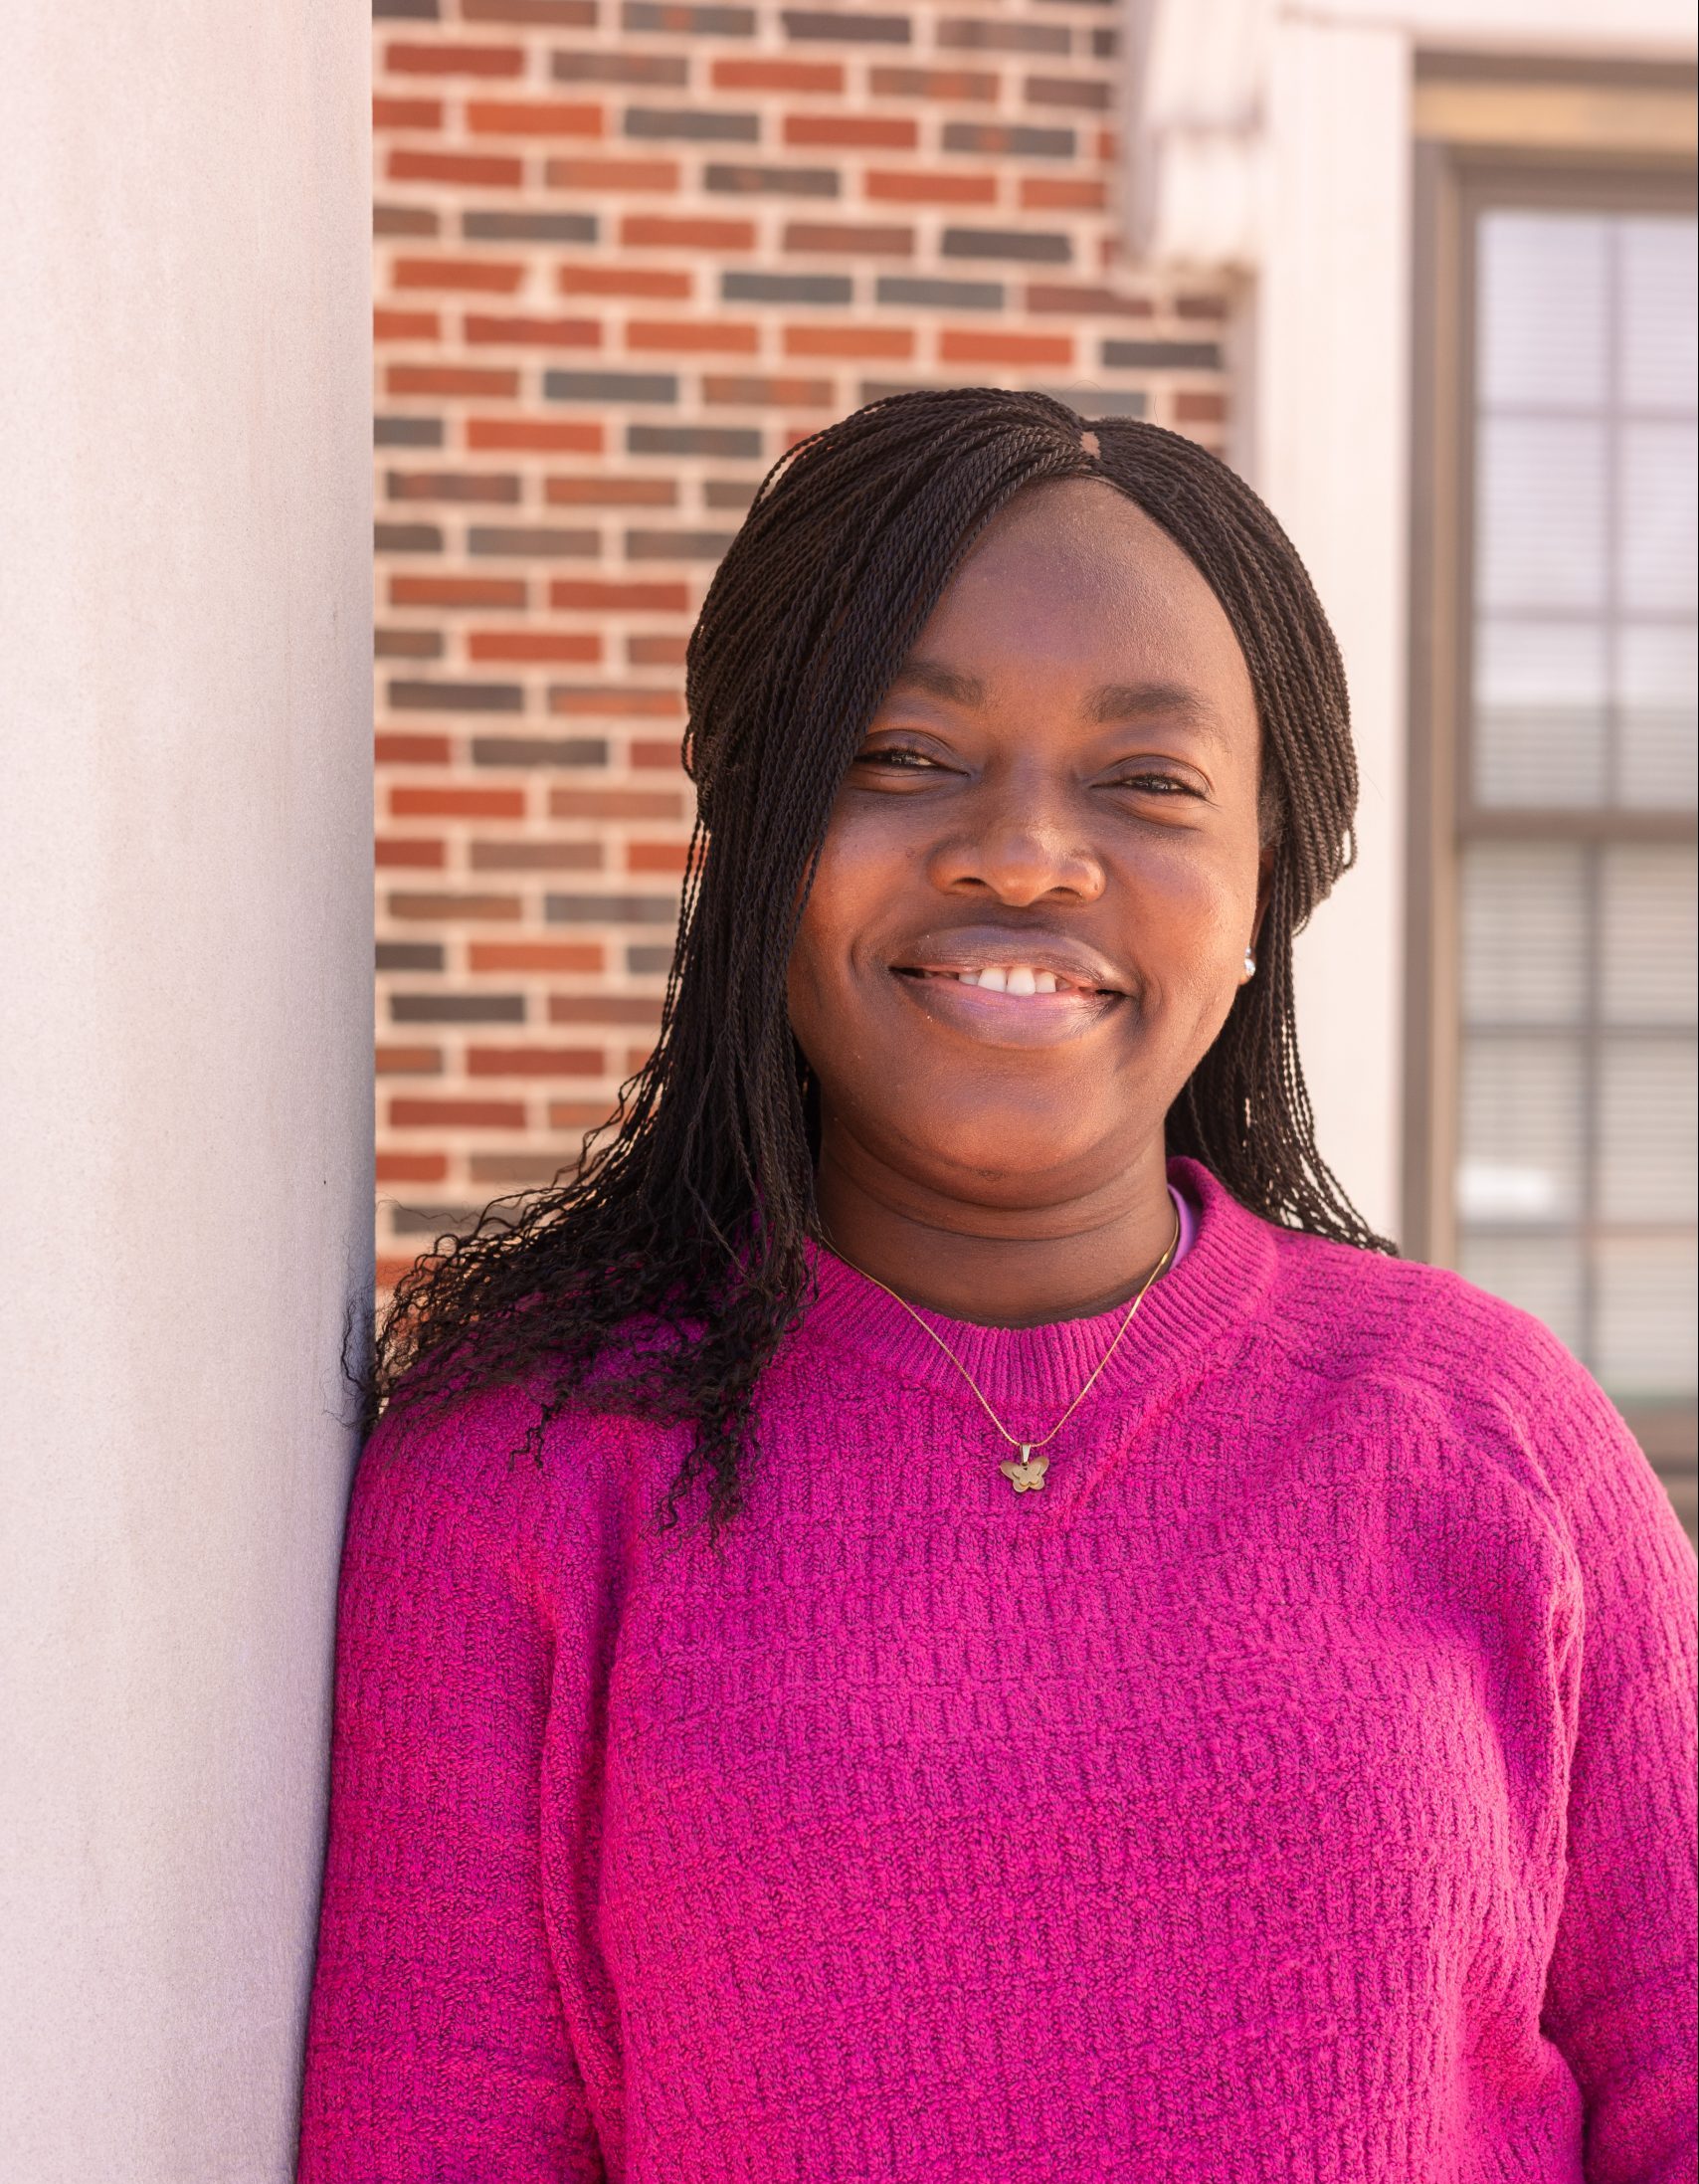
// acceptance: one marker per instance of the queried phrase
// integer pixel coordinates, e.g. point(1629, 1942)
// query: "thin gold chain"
point(1161, 1266)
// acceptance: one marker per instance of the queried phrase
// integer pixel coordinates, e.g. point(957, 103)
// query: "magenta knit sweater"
point(1300, 1786)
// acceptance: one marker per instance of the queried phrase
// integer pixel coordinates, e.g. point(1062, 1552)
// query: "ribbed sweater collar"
point(1030, 1374)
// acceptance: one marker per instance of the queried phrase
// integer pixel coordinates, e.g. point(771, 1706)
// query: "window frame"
point(1496, 164)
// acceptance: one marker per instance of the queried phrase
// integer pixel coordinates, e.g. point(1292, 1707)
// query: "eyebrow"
point(1109, 702)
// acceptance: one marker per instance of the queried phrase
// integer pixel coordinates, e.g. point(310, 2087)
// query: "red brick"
point(763, 74)
point(534, 118)
point(617, 803)
point(1084, 303)
point(406, 59)
point(456, 591)
point(387, 1271)
point(536, 956)
point(407, 113)
point(606, 595)
point(409, 1061)
point(450, 379)
point(459, 1114)
point(480, 274)
point(455, 908)
point(648, 756)
point(562, 14)
point(699, 337)
point(651, 704)
point(825, 238)
point(405, 325)
point(753, 390)
point(656, 231)
point(1061, 193)
point(537, 645)
point(541, 434)
point(411, 1167)
point(652, 280)
point(390, 749)
point(534, 1062)
point(643, 176)
point(435, 803)
point(933, 189)
point(849, 342)
point(1200, 409)
point(544, 333)
point(950, 87)
point(1200, 306)
point(969, 346)
point(666, 857)
point(891, 132)
point(610, 493)
point(478, 170)
point(391, 851)
point(655, 651)
point(575, 1115)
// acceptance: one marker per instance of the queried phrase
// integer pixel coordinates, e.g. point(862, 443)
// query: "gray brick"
point(866, 30)
point(1105, 44)
point(496, 487)
point(1101, 401)
point(881, 390)
point(611, 910)
point(407, 644)
point(406, 11)
point(528, 226)
point(610, 386)
point(532, 542)
point(409, 955)
point(677, 545)
point(670, 69)
point(407, 538)
point(695, 22)
point(436, 1221)
point(407, 432)
point(457, 697)
point(539, 750)
point(786, 287)
point(928, 295)
point(645, 962)
point(731, 441)
point(1021, 245)
point(1086, 93)
point(962, 34)
point(456, 1008)
point(1009, 141)
point(772, 181)
point(728, 492)
point(1163, 355)
point(403, 220)
point(694, 124)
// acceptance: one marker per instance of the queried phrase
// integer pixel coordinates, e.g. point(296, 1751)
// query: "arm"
point(437, 2048)
point(1619, 1999)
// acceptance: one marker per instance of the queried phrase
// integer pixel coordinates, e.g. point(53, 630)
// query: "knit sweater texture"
point(1297, 1789)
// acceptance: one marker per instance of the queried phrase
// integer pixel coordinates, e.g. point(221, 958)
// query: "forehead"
point(1073, 580)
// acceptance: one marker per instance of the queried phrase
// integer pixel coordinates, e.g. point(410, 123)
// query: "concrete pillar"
point(185, 1054)
point(1330, 442)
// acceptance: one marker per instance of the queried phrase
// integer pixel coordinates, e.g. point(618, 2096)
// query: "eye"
point(1156, 783)
point(897, 758)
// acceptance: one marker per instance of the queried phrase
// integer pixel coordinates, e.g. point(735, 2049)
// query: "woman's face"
point(1042, 870)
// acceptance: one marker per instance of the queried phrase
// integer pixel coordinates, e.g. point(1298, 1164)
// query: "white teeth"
point(1045, 981)
point(1022, 980)
point(1016, 978)
point(996, 979)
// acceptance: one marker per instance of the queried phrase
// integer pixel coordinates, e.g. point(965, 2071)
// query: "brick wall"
point(625, 254)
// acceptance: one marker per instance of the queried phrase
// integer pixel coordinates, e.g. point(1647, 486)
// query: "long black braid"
point(660, 1277)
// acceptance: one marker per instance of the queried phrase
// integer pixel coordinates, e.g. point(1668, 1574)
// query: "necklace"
point(1026, 1473)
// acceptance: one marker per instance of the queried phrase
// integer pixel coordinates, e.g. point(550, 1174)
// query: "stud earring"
point(1249, 965)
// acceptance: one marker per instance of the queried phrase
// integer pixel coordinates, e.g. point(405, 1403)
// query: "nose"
point(1017, 848)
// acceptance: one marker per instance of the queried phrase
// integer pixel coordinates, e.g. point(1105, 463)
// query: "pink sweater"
point(1299, 1787)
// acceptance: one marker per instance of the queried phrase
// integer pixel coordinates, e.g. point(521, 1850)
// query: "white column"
point(1329, 438)
point(185, 1054)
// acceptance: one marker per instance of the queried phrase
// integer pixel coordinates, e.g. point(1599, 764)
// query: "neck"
point(998, 1266)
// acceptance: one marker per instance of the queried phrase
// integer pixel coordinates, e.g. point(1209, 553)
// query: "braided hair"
point(659, 1275)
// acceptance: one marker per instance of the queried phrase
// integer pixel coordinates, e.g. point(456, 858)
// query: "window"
point(1555, 868)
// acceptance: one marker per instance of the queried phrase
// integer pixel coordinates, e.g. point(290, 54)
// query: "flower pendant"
point(1025, 1475)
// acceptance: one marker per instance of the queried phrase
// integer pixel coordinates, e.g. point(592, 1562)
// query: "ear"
point(1264, 893)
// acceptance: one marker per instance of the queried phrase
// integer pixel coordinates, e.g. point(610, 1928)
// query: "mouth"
point(991, 986)
point(1016, 981)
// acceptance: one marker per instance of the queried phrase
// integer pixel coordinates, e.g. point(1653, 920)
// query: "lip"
point(926, 979)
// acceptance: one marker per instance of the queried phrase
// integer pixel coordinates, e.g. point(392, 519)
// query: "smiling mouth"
point(1017, 981)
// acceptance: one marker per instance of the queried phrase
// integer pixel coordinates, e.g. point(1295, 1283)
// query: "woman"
point(1164, 1689)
